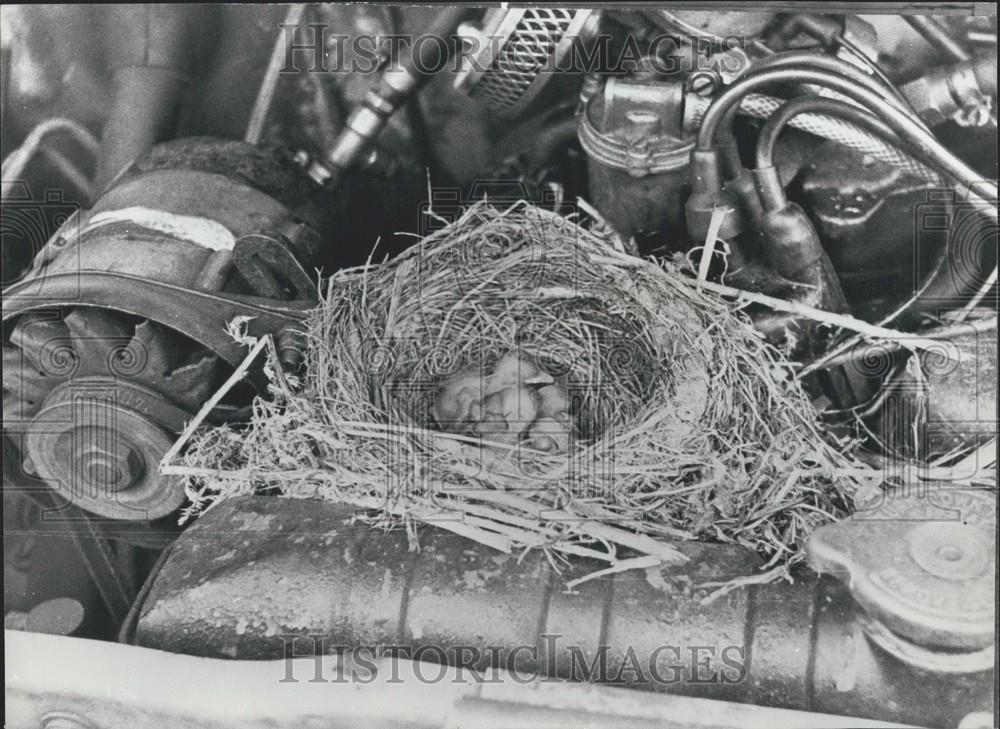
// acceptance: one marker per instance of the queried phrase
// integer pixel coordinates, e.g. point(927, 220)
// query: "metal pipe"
point(396, 86)
point(981, 194)
point(834, 65)
point(13, 166)
point(938, 37)
point(958, 89)
point(269, 84)
point(828, 127)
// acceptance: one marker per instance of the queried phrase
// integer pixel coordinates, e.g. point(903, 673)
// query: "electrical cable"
point(845, 134)
point(853, 49)
point(764, 158)
point(983, 195)
point(908, 129)
point(802, 59)
point(777, 122)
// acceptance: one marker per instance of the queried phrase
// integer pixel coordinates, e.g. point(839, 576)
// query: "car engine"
point(181, 181)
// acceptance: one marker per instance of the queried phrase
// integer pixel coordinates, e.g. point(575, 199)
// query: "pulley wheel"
point(98, 442)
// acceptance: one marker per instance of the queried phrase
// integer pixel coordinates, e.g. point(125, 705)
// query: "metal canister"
point(638, 155)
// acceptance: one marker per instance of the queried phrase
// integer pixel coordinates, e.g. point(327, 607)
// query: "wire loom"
point(690, 425)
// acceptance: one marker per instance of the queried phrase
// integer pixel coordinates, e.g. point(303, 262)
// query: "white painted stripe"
point(191, 228)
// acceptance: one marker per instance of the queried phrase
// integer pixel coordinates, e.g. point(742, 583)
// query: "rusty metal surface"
point(255, 572)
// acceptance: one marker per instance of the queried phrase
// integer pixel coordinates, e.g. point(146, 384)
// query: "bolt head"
point(703, 83)
point(106, 459)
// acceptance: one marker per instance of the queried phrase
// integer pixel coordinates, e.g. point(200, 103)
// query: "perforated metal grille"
point(529, 51)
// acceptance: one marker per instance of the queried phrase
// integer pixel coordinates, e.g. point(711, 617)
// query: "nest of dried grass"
point(689, 425)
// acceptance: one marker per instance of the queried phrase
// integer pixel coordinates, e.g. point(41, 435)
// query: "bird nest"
point(678, 422)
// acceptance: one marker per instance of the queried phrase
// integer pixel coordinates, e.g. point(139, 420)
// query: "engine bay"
point(184, 184)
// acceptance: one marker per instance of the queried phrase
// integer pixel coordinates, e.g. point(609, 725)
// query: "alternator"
point(119, 333)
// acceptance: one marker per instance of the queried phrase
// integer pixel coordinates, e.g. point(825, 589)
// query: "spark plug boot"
point(790, 240)
point(792, 244)
point(740, 183)
point(707, 194)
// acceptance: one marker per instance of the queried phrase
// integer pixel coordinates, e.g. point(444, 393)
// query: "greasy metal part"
point(634, 126)
point(982, 194)
point(96, 396)
point(855, 675)
point(138, 687)
point(97, 441)
point(965, 92)
point(499, 595)
point(849, 37)
point(201, 315)
point(637, 155)
point(932, 244)
point(275, 263)
point(135, 292)
point(517, 53)
point(399, 82)
point(759, 275)
point(789, 240)
point(228, 189)
point(921, 563)
point(854, 200)
point(773, 246)
point(254, 572)
point(932, 659)
point(791, 246)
